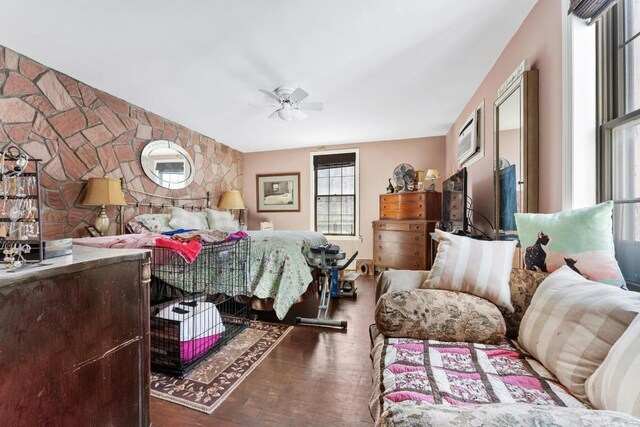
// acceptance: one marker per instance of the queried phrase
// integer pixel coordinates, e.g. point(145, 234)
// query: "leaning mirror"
point(167, 164)
point(516, 152)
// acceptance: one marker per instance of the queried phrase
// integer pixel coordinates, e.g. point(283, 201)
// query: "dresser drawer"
point(409, 238)
point(401, 262)
point(400, 248)
point(399, 226)
point(402, 198)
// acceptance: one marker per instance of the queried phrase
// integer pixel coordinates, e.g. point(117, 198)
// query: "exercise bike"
point(325, 258)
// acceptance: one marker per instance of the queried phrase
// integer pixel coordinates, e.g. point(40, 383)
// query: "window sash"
point(332, 163)
point(614, 104)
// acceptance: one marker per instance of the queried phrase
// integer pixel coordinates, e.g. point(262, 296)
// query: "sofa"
point(444, 358)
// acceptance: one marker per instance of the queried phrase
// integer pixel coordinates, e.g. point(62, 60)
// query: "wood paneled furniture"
point(75, 340)
point(401, 235)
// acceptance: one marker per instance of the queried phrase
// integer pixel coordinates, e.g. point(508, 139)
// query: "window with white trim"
point(335, 198)
point(619, 115)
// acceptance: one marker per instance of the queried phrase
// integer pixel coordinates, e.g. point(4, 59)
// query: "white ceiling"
point(385, 69)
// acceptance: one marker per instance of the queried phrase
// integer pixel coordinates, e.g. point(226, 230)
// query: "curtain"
point(590, 10)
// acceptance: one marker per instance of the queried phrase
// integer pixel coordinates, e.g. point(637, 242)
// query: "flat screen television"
point(454, 201)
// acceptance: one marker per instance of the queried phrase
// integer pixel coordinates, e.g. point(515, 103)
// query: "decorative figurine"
point(390, 188)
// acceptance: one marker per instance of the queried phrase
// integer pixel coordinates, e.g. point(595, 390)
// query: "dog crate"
point(199, 307)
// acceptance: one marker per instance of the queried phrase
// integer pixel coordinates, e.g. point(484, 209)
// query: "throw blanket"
point(278, 267)
point(426, 372)
point(129, 241)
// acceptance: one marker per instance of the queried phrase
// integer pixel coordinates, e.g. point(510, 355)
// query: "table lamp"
point(432, 175)
point(103, 192)
point(231, 200)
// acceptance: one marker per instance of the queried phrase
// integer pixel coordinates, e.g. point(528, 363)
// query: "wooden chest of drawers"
point(401, 236)
point(415, 205)
point(402, 244)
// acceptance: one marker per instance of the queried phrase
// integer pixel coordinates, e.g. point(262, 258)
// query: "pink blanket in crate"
point(435, 372)
point(191, 350)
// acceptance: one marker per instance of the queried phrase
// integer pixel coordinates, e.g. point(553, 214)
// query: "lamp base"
point(102, 222)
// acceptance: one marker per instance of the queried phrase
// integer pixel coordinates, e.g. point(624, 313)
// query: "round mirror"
point(167, 164)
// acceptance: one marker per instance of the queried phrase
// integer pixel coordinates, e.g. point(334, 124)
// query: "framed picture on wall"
point(278, 192)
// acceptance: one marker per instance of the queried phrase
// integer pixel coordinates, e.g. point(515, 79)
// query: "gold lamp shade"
point(433, 174)
point(104, 192)
point(231, 200)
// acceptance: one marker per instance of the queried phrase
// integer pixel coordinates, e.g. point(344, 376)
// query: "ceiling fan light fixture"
point(289, 100)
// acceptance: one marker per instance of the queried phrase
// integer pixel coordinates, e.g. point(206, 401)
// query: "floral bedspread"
point(278, 268)
point(427, 372)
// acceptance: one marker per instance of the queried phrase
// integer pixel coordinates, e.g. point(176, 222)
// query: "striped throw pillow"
point(476, 267)
point(614, 385)
point(572, 323)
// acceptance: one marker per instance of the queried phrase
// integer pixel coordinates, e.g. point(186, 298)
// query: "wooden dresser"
point(401, 235)
point(75, 340)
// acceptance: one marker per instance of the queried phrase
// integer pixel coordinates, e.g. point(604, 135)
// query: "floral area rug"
point(210, 383)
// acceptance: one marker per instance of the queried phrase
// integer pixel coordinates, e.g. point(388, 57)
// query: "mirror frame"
point(528, 84)
point(149, 171)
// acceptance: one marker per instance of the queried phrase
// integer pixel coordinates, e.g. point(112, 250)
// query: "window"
point(619, 145)
point(335, 185)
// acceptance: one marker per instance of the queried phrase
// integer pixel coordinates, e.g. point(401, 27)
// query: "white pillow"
point(185, 220)
point(572, 323)
point(477, 267)
point(222, 221)
point(614, 385)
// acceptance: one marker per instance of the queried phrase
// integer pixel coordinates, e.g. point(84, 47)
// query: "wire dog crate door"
point(197, 308)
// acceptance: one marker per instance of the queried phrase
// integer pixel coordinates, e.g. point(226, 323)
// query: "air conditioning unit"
point(468, 141)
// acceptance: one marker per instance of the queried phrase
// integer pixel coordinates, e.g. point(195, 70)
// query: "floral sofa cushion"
point(500, 415)
point(523, 284)
point(439, 315)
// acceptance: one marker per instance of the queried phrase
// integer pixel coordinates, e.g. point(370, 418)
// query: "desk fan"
point(403, 175)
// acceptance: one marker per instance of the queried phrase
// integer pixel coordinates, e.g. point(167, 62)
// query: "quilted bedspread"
point(278, 267)
point(427, 372)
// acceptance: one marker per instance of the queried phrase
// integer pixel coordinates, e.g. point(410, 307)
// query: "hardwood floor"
point(314, 377)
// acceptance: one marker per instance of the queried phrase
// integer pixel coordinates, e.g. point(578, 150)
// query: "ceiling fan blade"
point(271, 95)
point(264, 105)
point(274, 115)
point(298, 95)
point(311, 106)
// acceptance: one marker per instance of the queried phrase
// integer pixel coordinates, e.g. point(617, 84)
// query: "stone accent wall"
point(81, 132)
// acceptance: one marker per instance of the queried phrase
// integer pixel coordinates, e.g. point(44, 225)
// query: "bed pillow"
point(477, 267)
point(580, 238)
point(157, 223)
point(572, 323)
point(136, 227)
point(614, 385)
point(222, 220)
point(434, 314)
point(184, 220)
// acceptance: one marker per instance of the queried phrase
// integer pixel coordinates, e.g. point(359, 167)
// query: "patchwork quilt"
point(427, 372)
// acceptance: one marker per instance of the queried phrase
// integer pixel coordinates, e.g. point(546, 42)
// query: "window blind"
point(590, 10)
point(334, 160)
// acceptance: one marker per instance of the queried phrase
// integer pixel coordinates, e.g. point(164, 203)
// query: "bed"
point(278, 274)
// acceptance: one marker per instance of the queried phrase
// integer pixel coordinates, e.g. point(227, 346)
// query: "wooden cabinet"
point(401, 236)
point(75, 334)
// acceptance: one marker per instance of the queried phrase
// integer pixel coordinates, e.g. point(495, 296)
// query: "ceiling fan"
point(289, 103)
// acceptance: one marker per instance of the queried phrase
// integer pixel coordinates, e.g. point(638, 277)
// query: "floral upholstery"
point(497, 415)
point(439, 315)
point(157, 223)
point(523, 284)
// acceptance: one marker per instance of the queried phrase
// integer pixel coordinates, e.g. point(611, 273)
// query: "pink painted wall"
point(539, 40)
point(377, 161)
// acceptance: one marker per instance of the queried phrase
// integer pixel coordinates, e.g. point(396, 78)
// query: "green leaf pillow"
point(580, 238)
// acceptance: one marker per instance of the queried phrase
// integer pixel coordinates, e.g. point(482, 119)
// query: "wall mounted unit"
point(468, 141)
